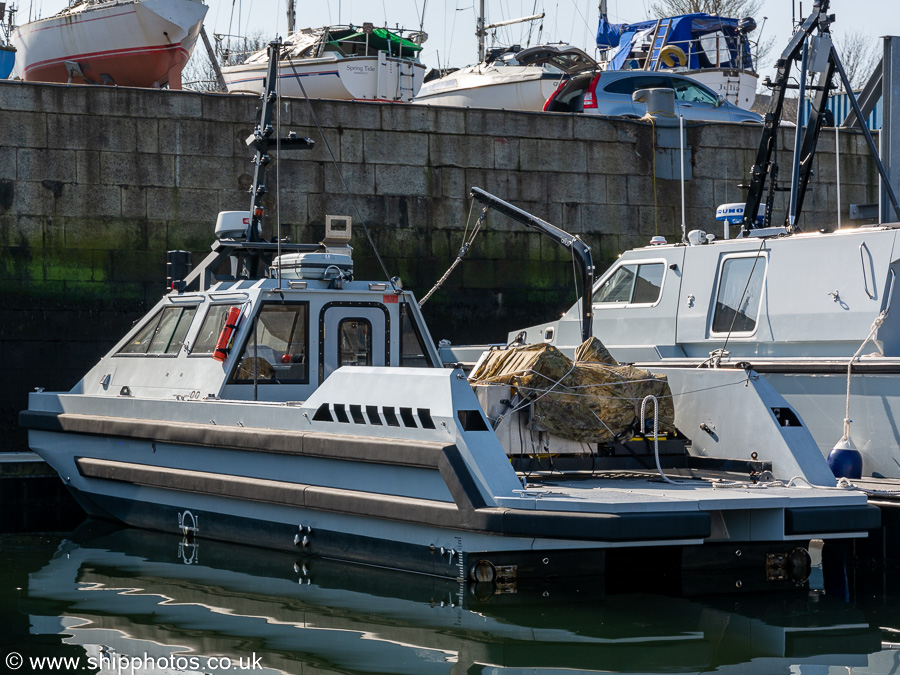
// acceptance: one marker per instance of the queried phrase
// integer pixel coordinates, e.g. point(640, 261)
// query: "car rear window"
point(630, 84)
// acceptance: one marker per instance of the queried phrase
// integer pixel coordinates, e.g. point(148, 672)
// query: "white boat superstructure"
point(675, 304)
point(338, 62)
point(132, 43)
point(273, 398)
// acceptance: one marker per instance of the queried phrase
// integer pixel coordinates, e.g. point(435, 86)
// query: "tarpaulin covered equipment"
point(589, 400)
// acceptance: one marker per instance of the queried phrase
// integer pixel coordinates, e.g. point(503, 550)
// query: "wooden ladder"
point(660, 37)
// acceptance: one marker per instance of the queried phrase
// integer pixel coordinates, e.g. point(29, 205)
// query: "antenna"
point(259, 141)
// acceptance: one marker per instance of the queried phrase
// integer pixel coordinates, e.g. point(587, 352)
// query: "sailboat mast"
point(479, 30)
point(291, 15)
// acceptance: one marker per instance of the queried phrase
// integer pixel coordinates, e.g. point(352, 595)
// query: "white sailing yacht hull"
point(737, 87)
point(380, 77)
point(140, 43)
point(507, 87)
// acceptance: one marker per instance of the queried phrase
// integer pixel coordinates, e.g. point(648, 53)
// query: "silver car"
point(593, 91)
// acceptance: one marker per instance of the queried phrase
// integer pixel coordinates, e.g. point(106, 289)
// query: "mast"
point(291, 16)
point(260, 140)
point(479, 31)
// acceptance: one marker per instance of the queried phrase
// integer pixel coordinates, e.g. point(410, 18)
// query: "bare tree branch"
point(859, 54)
point(729, 8)
point(199, 74)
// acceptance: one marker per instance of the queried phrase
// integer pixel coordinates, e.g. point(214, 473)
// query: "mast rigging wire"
point(359, 217)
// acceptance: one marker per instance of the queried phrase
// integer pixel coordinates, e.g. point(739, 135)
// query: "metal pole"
point(801, 108)
point(220, 81)
point(890, 128)
point(837, 166)
point(479, 29)
point(880, 214)
point(681, 143)
point(865, 129)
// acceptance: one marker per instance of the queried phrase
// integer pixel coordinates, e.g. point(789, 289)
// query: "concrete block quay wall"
point(97, 183)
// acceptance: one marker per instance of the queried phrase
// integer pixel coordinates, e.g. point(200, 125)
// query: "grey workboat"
point(271, 398)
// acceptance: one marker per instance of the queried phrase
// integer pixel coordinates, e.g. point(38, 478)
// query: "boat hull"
point(137, 44)
point(434, 500)
point(526, 89)
point(737, 87)
point(376, 78)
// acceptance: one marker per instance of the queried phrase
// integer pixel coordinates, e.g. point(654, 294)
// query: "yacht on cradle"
point(714, 50)
point(7, 51)
point(338, 62)
point(130, 43)
point(272, 398)
point(809, 311)
point(498, 80)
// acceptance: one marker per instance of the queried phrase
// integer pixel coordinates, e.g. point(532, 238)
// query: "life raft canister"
point(224, 343)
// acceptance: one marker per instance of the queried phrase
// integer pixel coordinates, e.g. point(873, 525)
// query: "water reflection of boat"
point(137, 593)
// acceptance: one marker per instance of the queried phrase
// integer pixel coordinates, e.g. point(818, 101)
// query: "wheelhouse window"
point(276, 348)
point(739, 295)
point(163, 334)
point(639, 283)
point(213, 323)
point(412, 347)
point(354, 343)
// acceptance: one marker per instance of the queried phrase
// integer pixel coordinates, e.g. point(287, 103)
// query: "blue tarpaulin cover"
point(688, 32)
point(7, 59)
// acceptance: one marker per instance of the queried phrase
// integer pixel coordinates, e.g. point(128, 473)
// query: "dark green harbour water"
point(130, 601)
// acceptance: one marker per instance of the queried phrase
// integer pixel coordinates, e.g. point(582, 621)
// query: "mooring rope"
point(464, 249)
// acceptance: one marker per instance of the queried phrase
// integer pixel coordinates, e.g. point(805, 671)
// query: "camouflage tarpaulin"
point(591, 400)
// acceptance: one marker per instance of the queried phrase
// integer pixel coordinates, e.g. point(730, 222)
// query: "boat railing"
point(642, 53)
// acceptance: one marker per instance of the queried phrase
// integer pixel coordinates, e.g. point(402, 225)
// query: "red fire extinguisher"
point(231, 323)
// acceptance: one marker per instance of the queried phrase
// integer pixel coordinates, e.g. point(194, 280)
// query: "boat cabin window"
point(412, 347)
point(739, 295)
point(354, 343)
point(639, 283)
point(163, 334)
point(205, 342)
point(276, 347)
